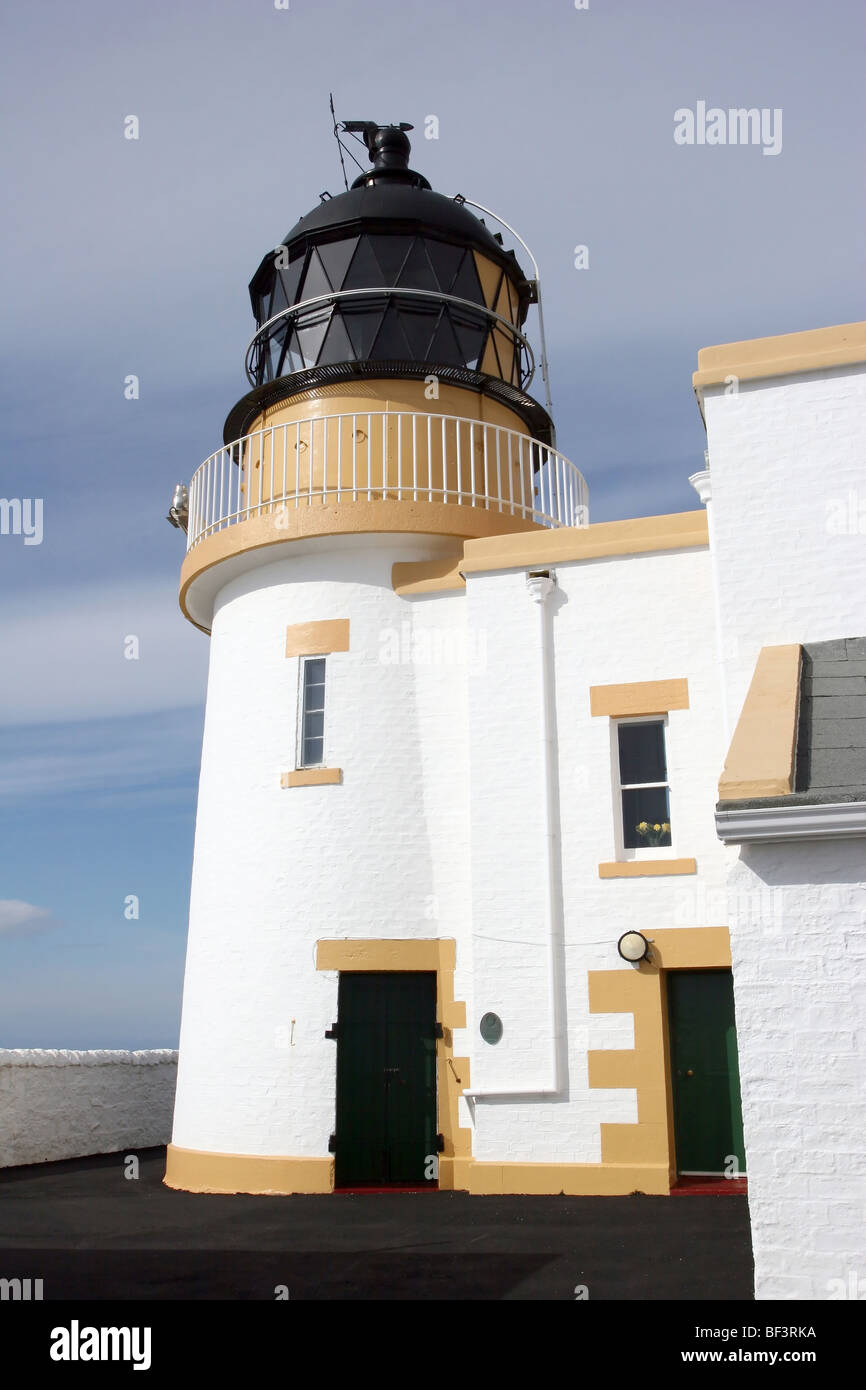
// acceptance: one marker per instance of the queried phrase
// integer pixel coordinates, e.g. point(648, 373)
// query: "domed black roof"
point(396, 208)
point(390, 198)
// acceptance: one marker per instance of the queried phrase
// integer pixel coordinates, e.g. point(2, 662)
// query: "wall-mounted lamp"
point(633, 947)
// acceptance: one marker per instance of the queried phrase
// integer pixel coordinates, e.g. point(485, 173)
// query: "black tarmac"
point(91, 1233)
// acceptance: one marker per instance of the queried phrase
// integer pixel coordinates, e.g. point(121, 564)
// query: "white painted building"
point(459, 742)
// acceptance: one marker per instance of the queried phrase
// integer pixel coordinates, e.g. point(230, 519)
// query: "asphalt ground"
point(90, 1233)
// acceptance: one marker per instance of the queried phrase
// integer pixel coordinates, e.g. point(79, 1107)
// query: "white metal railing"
point(385, 455)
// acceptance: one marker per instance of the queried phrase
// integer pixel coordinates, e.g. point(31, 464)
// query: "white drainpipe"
point(540, 584)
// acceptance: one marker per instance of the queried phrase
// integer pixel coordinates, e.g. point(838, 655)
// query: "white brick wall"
point(61, 1104)
point(800, 998)
point(789, 521)
point(386, 854)
point(636, 618)
point(787, 470)
point(442, 761)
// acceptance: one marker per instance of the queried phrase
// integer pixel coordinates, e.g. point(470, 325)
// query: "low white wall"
point(61, 1104)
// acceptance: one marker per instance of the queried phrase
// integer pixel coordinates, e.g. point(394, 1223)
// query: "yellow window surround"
point(637, 699)
point(318, 639)
point(315, 639)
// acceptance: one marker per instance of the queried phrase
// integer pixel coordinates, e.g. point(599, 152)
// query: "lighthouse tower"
point(388, 421)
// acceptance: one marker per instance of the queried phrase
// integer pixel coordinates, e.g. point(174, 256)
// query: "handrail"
point(384, 455)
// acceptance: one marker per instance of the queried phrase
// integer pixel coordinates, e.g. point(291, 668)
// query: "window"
point(311, 733)
point(643, 784)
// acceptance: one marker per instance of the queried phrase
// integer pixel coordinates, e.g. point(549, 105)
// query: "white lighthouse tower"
point(329, 936)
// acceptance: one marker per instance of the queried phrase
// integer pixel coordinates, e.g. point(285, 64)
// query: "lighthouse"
point(391, 417)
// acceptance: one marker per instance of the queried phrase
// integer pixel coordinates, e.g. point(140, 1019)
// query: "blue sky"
point(133, 257)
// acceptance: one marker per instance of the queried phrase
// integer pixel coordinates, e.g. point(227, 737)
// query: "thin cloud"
point(69, 647)
point(149, 756)
point(18, 917)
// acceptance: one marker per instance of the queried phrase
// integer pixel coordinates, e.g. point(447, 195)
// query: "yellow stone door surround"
point(636, 1157)
point(452, 1073)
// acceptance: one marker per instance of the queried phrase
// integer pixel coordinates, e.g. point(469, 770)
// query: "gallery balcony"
point(376, 471)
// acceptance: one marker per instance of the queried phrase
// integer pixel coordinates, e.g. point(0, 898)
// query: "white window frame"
point(641, 851)
point(300, 762)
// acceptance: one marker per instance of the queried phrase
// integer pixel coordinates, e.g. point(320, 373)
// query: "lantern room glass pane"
point(336, 257)
point(390, 253)
point(417, 271)
point(418, 322)
point(364, 271)
point(336, 347)
point(362, 321)
point(470, 336)
point(311, 336)
point(466, 283)
point(316, 281)
point(391, 340)
point(286, 285)
point(446, 261)
point(444, 346)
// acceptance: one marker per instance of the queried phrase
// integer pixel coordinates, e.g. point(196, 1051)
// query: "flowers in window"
point(654, 833)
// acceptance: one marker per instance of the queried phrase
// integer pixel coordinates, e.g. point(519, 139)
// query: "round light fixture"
point(491, 1028)
point(633, 947)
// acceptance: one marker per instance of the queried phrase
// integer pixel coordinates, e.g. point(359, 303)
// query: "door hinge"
point(440, 1143)
point(438, 1031)
point(333, 1032)
point(332, 1144)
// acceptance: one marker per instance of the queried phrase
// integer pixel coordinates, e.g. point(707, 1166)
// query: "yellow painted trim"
point(312, 777)
point(639, 697)
point(318, 639)
point(640, 535)
point(192, 1170)
point(426, 577)
point(762, 757)
point(816, 349)
point(279, 525)
point(646, 1067)
point(452, 1072)
point(646, 868)
point(691, 948)
point(570, 1179)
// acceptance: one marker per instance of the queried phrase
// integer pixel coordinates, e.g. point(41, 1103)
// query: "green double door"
point(706, 1079)
point(386, 1078)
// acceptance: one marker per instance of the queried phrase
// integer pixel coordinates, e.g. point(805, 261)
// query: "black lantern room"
point(390, 279)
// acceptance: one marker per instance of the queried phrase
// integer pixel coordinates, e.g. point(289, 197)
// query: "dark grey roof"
point(831, 729)
point(831, 742)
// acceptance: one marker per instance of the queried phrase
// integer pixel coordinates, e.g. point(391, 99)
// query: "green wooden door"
point(706, 1078)
point(386, 1078)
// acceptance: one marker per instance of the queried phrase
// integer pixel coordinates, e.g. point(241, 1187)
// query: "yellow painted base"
point(571, 1179)
point(637, 1157)
point(192, 1170)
